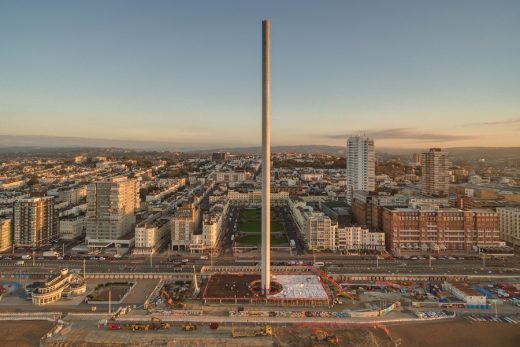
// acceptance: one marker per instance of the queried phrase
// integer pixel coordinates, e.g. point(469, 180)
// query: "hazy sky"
point(409, 73)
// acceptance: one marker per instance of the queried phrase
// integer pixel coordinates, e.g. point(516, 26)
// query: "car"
point(60, 258)
point(102, 258)
point(204, 257)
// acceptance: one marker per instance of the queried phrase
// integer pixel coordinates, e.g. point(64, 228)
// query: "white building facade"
point(509, 221)
point(360, 156)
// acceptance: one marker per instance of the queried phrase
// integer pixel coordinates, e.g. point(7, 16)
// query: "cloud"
point(502, 122)
point(403, 134)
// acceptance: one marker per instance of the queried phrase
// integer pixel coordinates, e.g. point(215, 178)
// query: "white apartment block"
point(111, 205)
point(150, 236)
point(5, 234)
point(360, 156)
point(358, 238)
point(72, 227)
point(509, 222)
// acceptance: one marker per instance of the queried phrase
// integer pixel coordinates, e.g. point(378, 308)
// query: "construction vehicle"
point(189, 327)
point(319, 335)
point(169, 300)
point(347, 294)
point(266, 330)
point(139, 327)
point(158, 324)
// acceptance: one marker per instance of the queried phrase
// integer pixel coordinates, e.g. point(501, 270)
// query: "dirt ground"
point(23, 334)
point(457, 334)
point(227, 286)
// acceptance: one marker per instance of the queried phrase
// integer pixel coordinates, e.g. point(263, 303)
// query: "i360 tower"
point(266, 157)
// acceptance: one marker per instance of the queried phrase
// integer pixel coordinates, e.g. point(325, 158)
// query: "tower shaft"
point(266, 157)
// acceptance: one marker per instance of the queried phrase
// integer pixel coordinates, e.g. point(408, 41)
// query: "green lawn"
point(256, 240)
point(250, 221)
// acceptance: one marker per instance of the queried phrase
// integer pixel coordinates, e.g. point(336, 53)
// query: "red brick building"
point(446, 229)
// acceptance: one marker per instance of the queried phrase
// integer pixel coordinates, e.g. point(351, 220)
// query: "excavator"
point(319, 335)
point(169, 300)
point(348, 295)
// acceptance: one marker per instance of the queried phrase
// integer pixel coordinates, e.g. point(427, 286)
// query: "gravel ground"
point(23, 334)
point(458, 333)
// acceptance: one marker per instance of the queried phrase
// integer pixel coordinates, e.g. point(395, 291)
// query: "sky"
point(407, 73)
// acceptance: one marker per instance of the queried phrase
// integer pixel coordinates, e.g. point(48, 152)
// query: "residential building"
point(319, 233)
point(439, 229)
point(151, 234)
point(211, 230)
point(72, 227)
point(230, 176)
point(184, 224)
point(72, 195)
point(255, 197)
point(435, 178)
point(360, 158)
point(35, 221)
point(219, 156)
point(367, 207)
point(509, 219)
point(357, 238)
point(5, 233)
point(111, 206)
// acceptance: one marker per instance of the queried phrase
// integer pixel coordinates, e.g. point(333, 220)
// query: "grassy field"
point(250, 221)
point(256, 239)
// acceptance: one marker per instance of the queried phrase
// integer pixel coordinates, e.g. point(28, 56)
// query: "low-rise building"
point(356, 238)
point(63, 284)
point(255, 197)
point(465, 293)
point(72, 227)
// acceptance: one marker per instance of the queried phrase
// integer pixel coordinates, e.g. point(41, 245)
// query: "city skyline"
point(405, 74)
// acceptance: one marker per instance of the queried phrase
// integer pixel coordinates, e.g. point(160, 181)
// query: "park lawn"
point(251, 214)
point(256, 226)
point(256, 240)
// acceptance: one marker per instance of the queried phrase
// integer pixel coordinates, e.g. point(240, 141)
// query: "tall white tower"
point(266, 157)
point(360, 165)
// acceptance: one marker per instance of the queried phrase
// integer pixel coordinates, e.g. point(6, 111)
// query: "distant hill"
point(53, 144)
point(306, 149)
